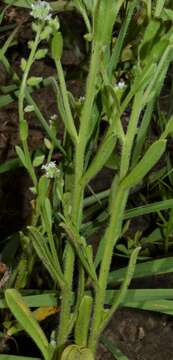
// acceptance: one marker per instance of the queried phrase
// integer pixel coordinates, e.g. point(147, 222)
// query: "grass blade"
point(117, 354)
point(25, 318)
point(148, 268)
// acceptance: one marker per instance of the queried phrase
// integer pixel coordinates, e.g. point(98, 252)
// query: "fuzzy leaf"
point(57, 46)
point(82, 323)
point(40, 54)
point(34, 81)
point(23, 64)
point(23, 128)
point(25, 318)
point(21, 155)
point(150, 158)
point(38, 160)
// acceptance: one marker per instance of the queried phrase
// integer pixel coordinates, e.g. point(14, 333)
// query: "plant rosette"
point(75, 352)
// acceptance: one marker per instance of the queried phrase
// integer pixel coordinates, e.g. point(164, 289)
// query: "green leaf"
point(117, 354)
point(21, 155)
point(150, 158)
point(81, 249)
point(38, 160)
point(120, 296)
point(167, 14)
point(159, 7)
point(104, 18)
point(23, 128)
point(48, 143)
point(103, 154)
point(26, 319)
point(43, 186)
point(29, 108)
point(34, 81)
point(23, 64)
point(149, 208)
point(168, 129)
point(116, 51)
point(57, 46)
point(45, 34)
point(150, 32)
point(9, 165)
point(82, 323)
point(43, 251)
point(161, 306)
point(48, 212)
point(40, 54)
point(148, 268)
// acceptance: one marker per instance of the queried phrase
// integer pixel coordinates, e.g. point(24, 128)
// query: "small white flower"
point(53, 117)
point(51, 170)
point(81, 99)
point(121, 85)
point(41, 10)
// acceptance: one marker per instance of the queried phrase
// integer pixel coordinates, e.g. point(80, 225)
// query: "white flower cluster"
point(51, 170)
point(41, 10)
point(82, 99)
point(121, 85)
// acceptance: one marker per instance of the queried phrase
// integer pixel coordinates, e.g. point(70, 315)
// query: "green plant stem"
point(66, 295)
point(26, 73)
point(21, 102)
point(159, 7)
point(29, 163)
point(124, 287)
point(83, 134)
point(78, 193)
point(131, 132)
point(70, 122)
point(112, 235)
point(43, 122)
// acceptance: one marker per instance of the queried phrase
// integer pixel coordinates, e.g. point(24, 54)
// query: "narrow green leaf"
point(116, 51)
point(23, 129)
point(120, 296)
point(159, 7)
point(117, 354)
point(23, 64)
point(149, 208)
point(40, 54)
point(10, 165)
point(136, 295)
point(101, 157)
point(38, 160)
point(150, 158)
point(104, 17)
point(80, 247)
point(83, 321)
point(148, 268)
point(57, 46)
point(21, 155)
point(168, 129)
point(42, 249)
point(34, 81)
point(161, 306)
point(26, 319)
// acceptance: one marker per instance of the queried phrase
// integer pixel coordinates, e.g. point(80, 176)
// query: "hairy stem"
point(112, 235)
point(78, 193)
